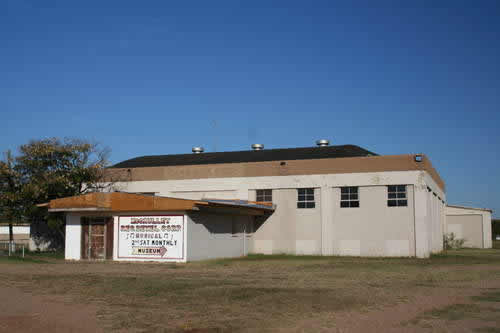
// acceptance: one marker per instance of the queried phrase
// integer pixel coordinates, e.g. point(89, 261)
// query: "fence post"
point(23, 250)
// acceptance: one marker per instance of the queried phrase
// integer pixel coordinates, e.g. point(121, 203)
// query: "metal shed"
point(471, 224)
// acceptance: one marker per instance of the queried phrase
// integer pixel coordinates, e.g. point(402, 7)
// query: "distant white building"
point(22, 235)
point(471, 224)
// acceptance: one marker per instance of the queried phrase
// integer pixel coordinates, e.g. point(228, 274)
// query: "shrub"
point(451, 242)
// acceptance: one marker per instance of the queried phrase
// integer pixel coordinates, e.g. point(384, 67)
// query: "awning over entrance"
point(127, 202)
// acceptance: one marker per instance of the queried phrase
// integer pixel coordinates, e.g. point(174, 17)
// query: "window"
point(396, 196)
point(265, 195)
point(349, 197)
point(305, 198)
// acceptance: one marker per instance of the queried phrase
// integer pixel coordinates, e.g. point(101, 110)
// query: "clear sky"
point(158, 77)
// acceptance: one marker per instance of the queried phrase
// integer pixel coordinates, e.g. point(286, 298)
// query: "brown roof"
point(279, 168)
point(127, 202)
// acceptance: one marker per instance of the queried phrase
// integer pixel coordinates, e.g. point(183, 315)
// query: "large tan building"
point(328, 200)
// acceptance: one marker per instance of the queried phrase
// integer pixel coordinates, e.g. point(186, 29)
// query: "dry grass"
point(256, 293)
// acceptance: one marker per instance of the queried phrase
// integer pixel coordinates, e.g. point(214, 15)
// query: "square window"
point(305, 198)
point(264, 196)
point(349, 197)
point(396, 196)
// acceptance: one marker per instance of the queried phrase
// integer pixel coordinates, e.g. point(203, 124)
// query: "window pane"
point(301, 205)
point(344, 204)
point(310, 197)
point(302, 197)
point(354, 197)
point(309, 191)
point(392, 188)
point(392, 203)
point(310, 204)
point(344, 190)
point(268, 192)
point(392, 195)
point(301, 191)
point(402, 195)
point(344, 197)
point(353, 189)
point(402, 203)
point(355, 204)
point(401, 188)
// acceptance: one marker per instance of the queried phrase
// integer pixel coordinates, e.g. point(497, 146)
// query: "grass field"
point(457, 290)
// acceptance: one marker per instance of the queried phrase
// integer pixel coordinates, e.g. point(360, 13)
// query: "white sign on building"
point(151, 237)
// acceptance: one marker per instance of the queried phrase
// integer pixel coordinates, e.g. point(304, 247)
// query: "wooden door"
point(95, 235)
point(109, 237)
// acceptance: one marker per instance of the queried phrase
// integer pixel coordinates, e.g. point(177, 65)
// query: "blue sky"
point(158, 77)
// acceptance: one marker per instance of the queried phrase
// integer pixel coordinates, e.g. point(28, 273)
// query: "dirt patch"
point(24, 312)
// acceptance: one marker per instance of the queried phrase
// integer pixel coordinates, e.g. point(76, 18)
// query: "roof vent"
point(197, 150)
point(322, 143)
point(257, 146)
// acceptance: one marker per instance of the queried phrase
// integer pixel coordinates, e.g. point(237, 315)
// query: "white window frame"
point(305, 198)
point(266, 195)
point(397, 196)
point(349, 196)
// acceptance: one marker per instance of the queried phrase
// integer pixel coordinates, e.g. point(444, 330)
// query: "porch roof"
point(130, 202)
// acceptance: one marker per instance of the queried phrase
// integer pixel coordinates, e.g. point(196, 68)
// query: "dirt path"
point(23, 312)
point(401, 317)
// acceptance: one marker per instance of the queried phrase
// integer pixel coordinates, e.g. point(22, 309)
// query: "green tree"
point(49, 169)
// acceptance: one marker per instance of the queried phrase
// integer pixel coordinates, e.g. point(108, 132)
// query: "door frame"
point(86, 236)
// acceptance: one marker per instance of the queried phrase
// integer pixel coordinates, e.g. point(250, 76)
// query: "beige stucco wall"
point(289, 229)
point(313, 231)
point(374, 229)
point(472, 224)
